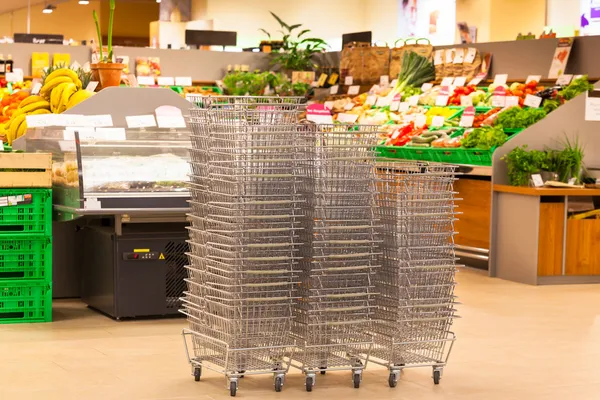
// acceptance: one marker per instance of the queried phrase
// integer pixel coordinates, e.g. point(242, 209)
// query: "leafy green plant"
point(484, 138)
point(297, 51)
point(256, 83)
point(517, 117)
point(111, 17)
point(569, 161)
point(522, 163)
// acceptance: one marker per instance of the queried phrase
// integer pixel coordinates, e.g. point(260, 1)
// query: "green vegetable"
point(410, 91)
point(416, 70)
point(576, 87)
point(516, 117)
point(523, 163)
point(484, 138)
point(255, 83)
point(550, 105)
point(568, 162)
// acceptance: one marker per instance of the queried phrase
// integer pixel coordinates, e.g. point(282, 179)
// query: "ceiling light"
point(158, 1)
point(84, 2)
point(49, 8)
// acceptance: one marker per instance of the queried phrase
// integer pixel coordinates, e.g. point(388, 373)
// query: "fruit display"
point(62, 88)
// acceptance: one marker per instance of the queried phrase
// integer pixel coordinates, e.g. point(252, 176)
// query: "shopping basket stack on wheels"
point(416, 207)
point(339, 252)
point(244, 236)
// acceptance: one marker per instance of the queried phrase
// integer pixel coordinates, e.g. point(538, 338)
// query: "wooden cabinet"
point(473, 225)
point(550, 241)
point(583, 247)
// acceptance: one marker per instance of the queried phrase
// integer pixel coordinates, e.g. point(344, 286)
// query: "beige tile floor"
point(514, 342)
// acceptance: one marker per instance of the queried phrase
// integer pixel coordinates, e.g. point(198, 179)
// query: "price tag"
point(438, 57)
point(449, 56)
point(571, 181)
point(183, 81)
point(441, 101)
point(322, 80)
point(437, 121)
point(314, 84)
point(404, 106)
point(318, 114)
point(40, 120)
point(592, 106)
point(470, 57)
point(409, 118)
point(371, 100)
point(413, 100)
point(478, 78)
point(111, 133)
point(170, 121)
point(564, 80)
point(344, 117)
point(498, 101)
point(353, 89)
point(145, 80)
point(533, 78)
point(448, 81)
point(67, 146)
point(384, 80)
point(532, 101)
point(69, 120)
point(334, 89)
point(394, 82)
point(459, 57)
point(15, 76)
point(537, 180)
point(165, 81)
point(420, 120)
point(426, 86)
point(577, 76)
point(140, 121)
point(511, 101)
point(374, 89)
point(467, 118)
point(460, 81)
point(92, 86)
point(35, 88)
point(98, 120)
point(395, 105)
point(500, 79)
point(383, 101)
point(466, 101)
point(348, 80)
point(329, 105)
point(349, 106)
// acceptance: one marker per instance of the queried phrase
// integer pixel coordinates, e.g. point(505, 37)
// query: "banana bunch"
point(17, 126)
point(59, 86)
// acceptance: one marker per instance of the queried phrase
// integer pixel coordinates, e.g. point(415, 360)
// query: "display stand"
point(532, 239)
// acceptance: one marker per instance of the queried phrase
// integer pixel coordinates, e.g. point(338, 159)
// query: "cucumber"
point(420, 145)
point(421, 139)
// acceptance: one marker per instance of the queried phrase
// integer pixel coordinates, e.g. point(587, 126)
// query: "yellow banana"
point(78, 97)
point(22, 129)
point(55, 96)
point(30, 100)
point(35, 106)
point(49, 85)
point(64, 72)
point(14, 127)
point(68, 91)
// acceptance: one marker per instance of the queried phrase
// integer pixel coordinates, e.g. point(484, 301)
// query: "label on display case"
point(564, 80)
point(165, 81)
point(384, 80)
point(140, 121)
point(460, 81)
point(500, 79)
point(344, 117)
point(426, 86)
point(438, 121)
point(329, 104)
point(403, 107)
point(111, 134)
point(413, 100)
point(371, 100)
point(466, 101)
point(349, 106)
point(169, 117)
point(319, 114)
point(146, 80)
point(334, 89)
point(592, 106)
point(353, 90)
point(533, 78)
point(348, 80)
point(383, 101)
point(98, 120)
point(421, 120)
point(447, 81)
point(183, 81)
point(511, 101)
point(532, 101)
point(468, 117)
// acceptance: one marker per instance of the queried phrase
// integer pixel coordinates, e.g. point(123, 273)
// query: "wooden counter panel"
point(528, 191)
point(550, 242)
point(583, 255)
point(474, 222)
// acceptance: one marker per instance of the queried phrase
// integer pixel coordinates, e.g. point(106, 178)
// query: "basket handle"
point(425, 39)
point(399, 40)
point(410, 39)
point(380, 41)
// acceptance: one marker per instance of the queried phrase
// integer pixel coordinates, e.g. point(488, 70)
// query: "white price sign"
point(371, 100)
point(344, 117)
point(426, 86)
point(437, 121)
point(466, 101)
point(383, 101)
point(349, 106)
point(140, 121)
point(404, 106)
point(537, 180)
point(511, 101)
point(447, 81)
point(98, 120)
point(353, 89)
point(532, 101)
point(564, 80)
point(420, 120)
point(498, 101)
point(165, 81)
point(395, 105)
point(183, 81)
point(348, 81)
point(500, 79)
point(334, 89)
point(531, 78)
point(384, 80)
point(145, 80)
point(460, 81)
point(441, 101)
point(111, 133)
point(413, 100)
point(329, 104)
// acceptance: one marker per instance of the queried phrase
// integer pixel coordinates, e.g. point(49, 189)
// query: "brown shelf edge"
point(527, 191)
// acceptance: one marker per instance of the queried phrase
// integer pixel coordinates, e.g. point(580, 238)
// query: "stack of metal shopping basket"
point(415, 285)
point(244, 236)
point(339, 252)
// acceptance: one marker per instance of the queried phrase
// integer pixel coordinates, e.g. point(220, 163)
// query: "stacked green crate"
point(25, 255)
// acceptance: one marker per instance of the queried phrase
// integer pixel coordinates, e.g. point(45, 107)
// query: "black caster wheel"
point(309, 383)
point(323, 370)
point(197, 373)
point(356, 380)
point(242, 373)
point(393, 380)
point(278, 383)
point(232, 388)
point(436, 377)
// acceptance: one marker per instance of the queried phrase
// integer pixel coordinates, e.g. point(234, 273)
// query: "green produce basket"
point(418, 153)
point(26, 257)
point(25, 301)
point(513, 132)
point(449, 155)
point(390, 151)
point(31, 212)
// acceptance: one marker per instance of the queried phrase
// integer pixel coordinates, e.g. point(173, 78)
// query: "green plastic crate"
point(450, 155)
point(31, 214)
point(418, 153)
point(480, 157)
point(25, 301)
point(390, 151)
point(26, 257)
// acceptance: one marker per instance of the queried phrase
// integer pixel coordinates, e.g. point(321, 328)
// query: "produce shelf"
point(25, 301)
point(30, 214)
point(26, 257)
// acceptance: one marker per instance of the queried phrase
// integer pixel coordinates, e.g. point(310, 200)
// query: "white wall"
point(563, 15)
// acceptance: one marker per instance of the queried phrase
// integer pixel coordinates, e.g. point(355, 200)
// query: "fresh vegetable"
point(460, 91)
point(550, 105)
point(522, 163)
point(410, 91)
point(480, 118)
point(416, 70)
point(568, 162)
point(576, 87)
point(403, 134)
point(516, 117)
point(439, 111)
point(484, 138)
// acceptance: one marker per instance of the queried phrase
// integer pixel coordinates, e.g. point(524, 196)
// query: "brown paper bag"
point(376, 62)
point(351, 61)
point(471, 63)
point(396, 54)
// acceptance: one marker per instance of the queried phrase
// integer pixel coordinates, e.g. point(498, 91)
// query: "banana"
point(65, 72)
point(40, 111)
point(68, 91)
point(78, 97)
point(22, 129)
point(49, 85)
point(35, 106)
point(55, 96)
point(29, 100)
point(14, 128)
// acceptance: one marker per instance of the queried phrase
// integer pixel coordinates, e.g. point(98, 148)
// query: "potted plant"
point(296, 52)
point(109, 73)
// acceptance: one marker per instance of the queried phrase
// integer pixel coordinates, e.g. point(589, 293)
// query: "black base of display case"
point(137, 274)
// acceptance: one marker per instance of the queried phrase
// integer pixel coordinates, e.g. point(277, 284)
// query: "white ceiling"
point(11, 5)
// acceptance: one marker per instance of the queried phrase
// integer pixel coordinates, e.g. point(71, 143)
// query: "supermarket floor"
point(514, 342)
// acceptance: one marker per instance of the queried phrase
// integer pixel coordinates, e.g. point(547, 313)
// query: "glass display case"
point(115, 168)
